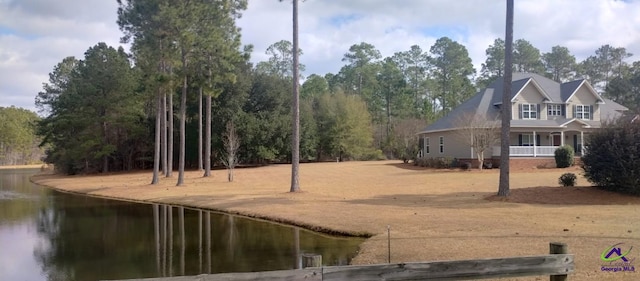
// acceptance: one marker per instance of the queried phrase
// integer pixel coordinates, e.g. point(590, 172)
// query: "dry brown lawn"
point(433, 214)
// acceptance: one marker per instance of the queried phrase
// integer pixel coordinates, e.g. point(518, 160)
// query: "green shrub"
point(455, 163)
point(434, 162)
point(374, 155)
point(567, 179)
point(564, 156)
point(612, 159)
point(465, 166)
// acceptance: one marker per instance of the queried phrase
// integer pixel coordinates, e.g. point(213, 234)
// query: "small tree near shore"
point(479, 133)
point(405, 143)
point(231, 144)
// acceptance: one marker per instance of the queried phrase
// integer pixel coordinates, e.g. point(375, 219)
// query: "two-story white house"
point(545, 115)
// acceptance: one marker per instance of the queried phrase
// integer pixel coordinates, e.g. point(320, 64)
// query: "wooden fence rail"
point(556, 265)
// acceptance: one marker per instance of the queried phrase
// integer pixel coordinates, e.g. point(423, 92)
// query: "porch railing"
point(529, 151)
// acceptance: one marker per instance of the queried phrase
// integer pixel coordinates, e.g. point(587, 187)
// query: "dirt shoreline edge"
point(310, 227)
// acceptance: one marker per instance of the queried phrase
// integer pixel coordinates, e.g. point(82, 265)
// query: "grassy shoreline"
point(433, 214)
point(32, 166)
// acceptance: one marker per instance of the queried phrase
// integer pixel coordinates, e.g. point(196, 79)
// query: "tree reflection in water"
point(89, 239)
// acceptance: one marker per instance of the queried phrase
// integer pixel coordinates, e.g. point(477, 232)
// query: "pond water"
point(50, 235)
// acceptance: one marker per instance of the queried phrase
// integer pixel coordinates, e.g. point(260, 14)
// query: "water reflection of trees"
point(19, 198)
point(91, 239)
point(216, 243)
point(97, 239)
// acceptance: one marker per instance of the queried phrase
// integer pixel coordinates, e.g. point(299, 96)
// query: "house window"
point(554, 110)
point(529, 111)
point(526, 140)
point(426, 146)
point(441, 144)
point(582, 112)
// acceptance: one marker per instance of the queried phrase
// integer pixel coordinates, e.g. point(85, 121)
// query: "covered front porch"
point(543, 143)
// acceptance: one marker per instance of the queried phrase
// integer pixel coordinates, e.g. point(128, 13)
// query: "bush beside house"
point(612, 160)
point(568, 179)
point(564, 156)
point(435, 162)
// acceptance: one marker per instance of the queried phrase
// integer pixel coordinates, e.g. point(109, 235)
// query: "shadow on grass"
point(411, 167)
point(541, 195)
point(457, 200)
point(555, 195)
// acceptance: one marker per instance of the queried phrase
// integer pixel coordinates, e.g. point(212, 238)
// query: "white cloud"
point(37, 34)
point(21, 241)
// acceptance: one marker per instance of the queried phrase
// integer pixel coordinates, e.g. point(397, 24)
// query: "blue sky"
point(37, 34)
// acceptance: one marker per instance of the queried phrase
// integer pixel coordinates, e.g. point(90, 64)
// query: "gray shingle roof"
point(610, 109)
point(486, 102)
point(570, 87)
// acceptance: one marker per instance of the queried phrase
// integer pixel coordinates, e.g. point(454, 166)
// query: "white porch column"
point(534, 144)
point(471, 141)
point(581, 143)
point(561, 138)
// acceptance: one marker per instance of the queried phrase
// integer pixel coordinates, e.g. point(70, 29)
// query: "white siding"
point(453, 146)
point(583, 96)
point(529, 95)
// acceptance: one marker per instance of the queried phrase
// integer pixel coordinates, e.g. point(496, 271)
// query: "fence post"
point(311, 260)
point(388, 244)
point(558, 248)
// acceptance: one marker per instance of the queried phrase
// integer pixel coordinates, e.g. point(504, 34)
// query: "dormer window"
point(554, 110)
point(584, 112)
point(529, 111)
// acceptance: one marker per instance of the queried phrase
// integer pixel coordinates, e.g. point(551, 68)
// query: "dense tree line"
point(95, 117)
point(188, 75)
point(18, 142)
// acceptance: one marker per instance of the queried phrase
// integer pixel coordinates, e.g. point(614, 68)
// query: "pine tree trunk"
point(388, 100)
point(163, 119)
point(183, 117)
point(170, 137)
point(156, 154)
point(105, 158)
point(295, 145)
point(503, 188)
point(105, 164)
point(163, 128)
point(200, 129)
point(207, 140)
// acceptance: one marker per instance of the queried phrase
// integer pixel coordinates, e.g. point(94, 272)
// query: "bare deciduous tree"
point(479, 132)
point(406, 140)
point(231, 144)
